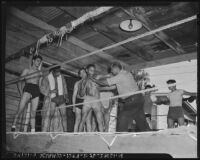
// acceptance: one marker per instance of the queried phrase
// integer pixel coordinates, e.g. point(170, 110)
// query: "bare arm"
point(189, 93)
point(44, 87)
point(107, 88)
point(20, 84)
point(40, 81)
point(65, 89)
point(101, 82)
point(83, 85)
point(103, 76)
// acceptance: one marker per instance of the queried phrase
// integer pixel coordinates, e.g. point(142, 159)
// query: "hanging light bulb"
point(130, 26)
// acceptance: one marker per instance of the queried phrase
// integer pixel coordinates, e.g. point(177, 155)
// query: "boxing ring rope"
point(109, 47)
point(155, 75)
point(54, 135)
point(115, 97)
point(172, 67)
point(87, 133)
point(161, 115)
point(100, 100)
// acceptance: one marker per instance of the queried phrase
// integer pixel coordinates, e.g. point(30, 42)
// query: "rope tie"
point(191, 135)
point(15, 135)
point(108, 144)
point(54, 137)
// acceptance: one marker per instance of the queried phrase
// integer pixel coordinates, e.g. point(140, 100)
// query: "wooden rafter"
point(64, 46)
point(36, 22)
point(101, 32)
point(45, 64)
point(139, 13)
point(66, 69)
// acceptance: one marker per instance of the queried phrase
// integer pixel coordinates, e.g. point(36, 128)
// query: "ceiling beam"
point(165, 61)
point(71, 49)
point(36, 22)
point(99, 30)
point(88, 35)
point(12, 72)
point(101, 67)
point(18, 66)
point(139, 14)
point(25, 37)
point(47, 59)
point(65, 72)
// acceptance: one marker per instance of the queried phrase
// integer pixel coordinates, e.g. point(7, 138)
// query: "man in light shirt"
point(132, 106)
point(175, 97)
point(54, 87)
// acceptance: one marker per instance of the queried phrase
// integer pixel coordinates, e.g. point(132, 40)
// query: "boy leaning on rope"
point(175, 107)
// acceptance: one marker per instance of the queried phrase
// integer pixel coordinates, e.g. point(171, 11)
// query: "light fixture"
point(130, 25)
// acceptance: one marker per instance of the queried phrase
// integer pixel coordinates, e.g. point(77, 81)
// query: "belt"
point(127, 100)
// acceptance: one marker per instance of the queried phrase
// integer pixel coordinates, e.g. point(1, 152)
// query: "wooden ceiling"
point(22, 31)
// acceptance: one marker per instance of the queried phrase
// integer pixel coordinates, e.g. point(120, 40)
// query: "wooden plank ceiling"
point(102, 32)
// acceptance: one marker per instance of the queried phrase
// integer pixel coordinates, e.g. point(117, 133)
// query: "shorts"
point(33, 89)
point(79, 100)
point(90, 104)
point(175, 112)
point(58, 100)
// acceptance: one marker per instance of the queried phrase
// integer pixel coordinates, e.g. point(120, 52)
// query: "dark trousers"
point(132, 110)
point(70, 120)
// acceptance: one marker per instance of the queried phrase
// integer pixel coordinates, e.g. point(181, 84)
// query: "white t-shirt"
point(124, 81)
point(175, 98)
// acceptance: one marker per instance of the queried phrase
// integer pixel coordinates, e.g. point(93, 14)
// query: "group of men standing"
point(92, 114)
point(53, 86)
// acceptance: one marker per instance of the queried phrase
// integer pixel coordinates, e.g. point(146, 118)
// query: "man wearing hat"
point(54, 88)
point(175, 97)
point(132, 106)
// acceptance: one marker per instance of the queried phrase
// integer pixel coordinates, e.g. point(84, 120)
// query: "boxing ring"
point(178, 142)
